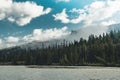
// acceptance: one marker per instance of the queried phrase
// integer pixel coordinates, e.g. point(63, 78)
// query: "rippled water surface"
point(83, 73)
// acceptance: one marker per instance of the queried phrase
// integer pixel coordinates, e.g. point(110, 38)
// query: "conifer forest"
point(102, 50)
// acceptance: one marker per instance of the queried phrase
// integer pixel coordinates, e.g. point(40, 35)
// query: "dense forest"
point(102, 50)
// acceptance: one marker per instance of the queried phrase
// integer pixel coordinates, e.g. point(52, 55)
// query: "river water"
point(81, 73)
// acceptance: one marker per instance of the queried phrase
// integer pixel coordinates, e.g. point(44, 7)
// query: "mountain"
point(96, 30)
point(45, 44)
point(115, 27)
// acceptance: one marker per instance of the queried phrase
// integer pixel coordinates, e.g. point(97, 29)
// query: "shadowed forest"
point(102, 50)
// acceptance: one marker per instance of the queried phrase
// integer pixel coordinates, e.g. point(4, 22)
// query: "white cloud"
point(107, 23)
point(95, 12)
point(62, 0)
point(10, 42)
point(62, 16)
point(85, 32)
point(12, 39)
point(37, 35)
point(45, 35)
point(0, 41)
point(21, 13)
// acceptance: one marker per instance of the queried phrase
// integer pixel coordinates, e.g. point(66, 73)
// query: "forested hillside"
point(101, 50)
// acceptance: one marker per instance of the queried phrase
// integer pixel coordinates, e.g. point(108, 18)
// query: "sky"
point(24, 21)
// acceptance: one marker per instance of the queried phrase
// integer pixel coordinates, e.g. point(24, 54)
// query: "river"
point(81, 73)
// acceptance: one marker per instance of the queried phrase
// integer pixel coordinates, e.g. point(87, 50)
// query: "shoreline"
point(63, 67)
point(68, 67)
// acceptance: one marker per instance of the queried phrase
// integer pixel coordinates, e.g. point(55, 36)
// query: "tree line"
point(102, 50)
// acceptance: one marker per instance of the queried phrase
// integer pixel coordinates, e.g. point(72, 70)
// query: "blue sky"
point(29, 20)
point(45, 21)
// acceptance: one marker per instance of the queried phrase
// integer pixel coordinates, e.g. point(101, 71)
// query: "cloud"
point(12, 39)
point(95, 18)
point(62, 16)
point(0, 41)
point(108, 23)
point(21, 13)
point(85, 32)
point(62, 0)
point(37, 35)
point(96, 12)
point(45, 35)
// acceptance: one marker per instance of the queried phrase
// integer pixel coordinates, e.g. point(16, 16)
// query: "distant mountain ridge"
point(115, 27)
point(45, 44)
